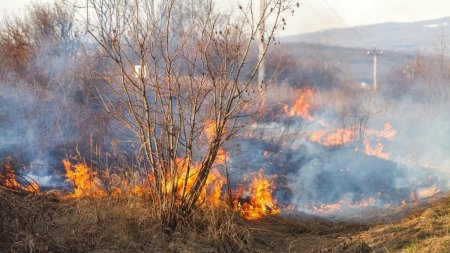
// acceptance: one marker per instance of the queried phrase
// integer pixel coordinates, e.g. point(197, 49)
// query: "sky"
point(316, 15)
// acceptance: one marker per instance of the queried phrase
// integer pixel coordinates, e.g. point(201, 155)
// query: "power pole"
point(262, 44)
point(375, 54)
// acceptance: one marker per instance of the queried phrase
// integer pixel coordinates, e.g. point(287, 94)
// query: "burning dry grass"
point(95, 220)
point(110, 221)
point(45, 222)
point(50, 221)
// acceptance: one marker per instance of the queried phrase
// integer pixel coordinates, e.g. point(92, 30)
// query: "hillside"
point(425, 36)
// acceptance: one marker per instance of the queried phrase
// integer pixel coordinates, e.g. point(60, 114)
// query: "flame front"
point(8, 179)
point(261, 202)
point(377, 151)
point(211, 132)
point(333, 138)
point(210, 194)
point(84, 180)
point(301, 105)
point(343, 204)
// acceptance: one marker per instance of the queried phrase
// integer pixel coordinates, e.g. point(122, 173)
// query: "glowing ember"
point(260, 202)
point(84, 180)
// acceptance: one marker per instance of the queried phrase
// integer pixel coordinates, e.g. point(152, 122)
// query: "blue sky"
point(316, 15)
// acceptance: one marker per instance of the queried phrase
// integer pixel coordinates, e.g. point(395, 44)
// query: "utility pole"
point(262, 44)
point(375, 54)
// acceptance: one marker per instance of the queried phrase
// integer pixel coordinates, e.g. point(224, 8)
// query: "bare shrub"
point(180, 81)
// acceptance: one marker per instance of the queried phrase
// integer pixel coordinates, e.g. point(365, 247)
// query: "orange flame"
point(341, 136)
point(428, 192)
point(8, 179)
point(301, 106)
point(330, 139)
point(387, 133)
point(84, 180)
point(261, 202)
point(335, 207)
point(210, 194)
point(210, 131)
point(377, 151)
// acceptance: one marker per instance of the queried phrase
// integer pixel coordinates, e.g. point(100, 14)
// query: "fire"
point(342, 136)
point(317, 136)
point(8, 179)
point(343, 204)
point(301, 106)
point(428, 192)
point(387, 133)
point(212, 191)
point(210, 131)
point(86, 184)
point(260, 202)
point(377, 151)
point(84, 180)
point(335, 138)
point(125, 188)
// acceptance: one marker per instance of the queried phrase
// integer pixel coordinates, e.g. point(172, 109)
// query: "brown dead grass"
point(49, 222)
point(426, 229)
point(46, 222)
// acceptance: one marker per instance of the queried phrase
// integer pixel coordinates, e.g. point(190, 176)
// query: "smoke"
point(40, 120)
point(52, 113)
point(408, 137)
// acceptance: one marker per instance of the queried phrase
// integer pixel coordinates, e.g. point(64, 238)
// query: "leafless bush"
point(180, 80)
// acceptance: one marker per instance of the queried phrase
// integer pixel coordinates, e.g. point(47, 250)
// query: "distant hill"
point(425, 36)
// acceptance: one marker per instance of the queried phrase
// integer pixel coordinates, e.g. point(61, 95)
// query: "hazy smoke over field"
point(322, 142)
point(42, 121)
point(399, 155)
point(50, 112)
point(59, 115)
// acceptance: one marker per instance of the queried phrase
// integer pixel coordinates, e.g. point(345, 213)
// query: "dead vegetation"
point(426, 229)
point(43, 223)
point(52, 221)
